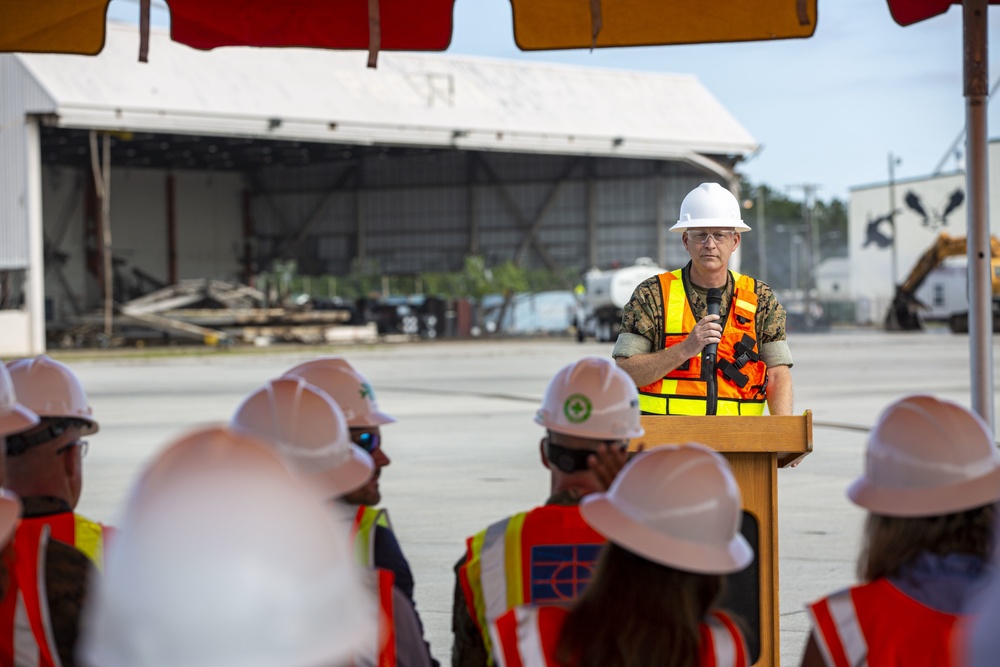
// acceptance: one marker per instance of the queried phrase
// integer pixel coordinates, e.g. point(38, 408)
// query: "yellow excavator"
point(904, 313)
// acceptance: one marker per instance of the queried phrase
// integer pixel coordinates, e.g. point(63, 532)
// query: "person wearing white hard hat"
point(930, 484)
point(672, 521)
point(667, 325)
point(311, 432)
point(225, 559)
point(374, 539)
point(45, 469)
point(590, 412)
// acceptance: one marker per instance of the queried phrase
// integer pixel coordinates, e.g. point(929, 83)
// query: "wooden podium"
point(755, 448)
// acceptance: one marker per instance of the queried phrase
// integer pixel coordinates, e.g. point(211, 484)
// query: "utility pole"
point(812, 237)
point(893, 161)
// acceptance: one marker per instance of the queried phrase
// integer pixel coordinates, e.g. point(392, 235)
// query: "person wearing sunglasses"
point(45, 469)
point(667, 325)
point(590, 412)
point(374, 540)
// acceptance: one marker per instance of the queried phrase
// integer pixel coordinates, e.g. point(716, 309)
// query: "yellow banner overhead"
point(53, 26)
point(578, 24)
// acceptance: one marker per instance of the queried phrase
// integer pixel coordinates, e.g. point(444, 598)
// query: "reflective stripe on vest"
point(837, 631)
point(26, 636)
point(543, 556)
point(876, 623)
point(77, 530)
point(722, 643)
point(683, 391)
point(365, 520)
point(387, 628)
point(528, 636)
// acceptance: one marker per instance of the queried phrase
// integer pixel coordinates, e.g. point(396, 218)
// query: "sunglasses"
point(572, 460)
point(82, 444)
point(367, 441)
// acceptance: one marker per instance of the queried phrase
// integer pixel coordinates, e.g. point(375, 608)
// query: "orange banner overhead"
point(575, 24)
point(53, 26)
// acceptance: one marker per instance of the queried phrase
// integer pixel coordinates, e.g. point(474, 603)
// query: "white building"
point(925, 208)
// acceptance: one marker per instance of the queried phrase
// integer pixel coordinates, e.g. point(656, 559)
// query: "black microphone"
point(714, 300)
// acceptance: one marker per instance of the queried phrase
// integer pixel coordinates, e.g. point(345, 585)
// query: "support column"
point(35, 296)
point(171, 231)
point(591, 216)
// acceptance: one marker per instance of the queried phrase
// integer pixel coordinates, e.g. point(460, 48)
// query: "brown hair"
point(892, 542)
point(637, 613)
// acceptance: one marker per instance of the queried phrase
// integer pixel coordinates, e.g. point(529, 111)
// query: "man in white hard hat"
point(310, 431)
point(226, 559)
point(44, 468)
point(590, 412)
point(45, 463)
point(666, 325)
point(375, 541)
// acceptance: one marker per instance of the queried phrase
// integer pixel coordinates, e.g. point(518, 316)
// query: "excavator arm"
point(903, 314)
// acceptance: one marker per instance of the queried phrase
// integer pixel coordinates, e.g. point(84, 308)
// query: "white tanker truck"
point(606, 293)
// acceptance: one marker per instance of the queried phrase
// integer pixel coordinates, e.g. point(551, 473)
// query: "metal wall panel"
point(19, 95)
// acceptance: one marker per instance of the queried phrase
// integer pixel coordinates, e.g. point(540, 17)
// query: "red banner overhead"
point(372, 25)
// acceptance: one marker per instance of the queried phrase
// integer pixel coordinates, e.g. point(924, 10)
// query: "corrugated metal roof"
point(425, 99)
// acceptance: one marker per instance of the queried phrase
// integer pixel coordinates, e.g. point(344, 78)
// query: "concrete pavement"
point(465, 449)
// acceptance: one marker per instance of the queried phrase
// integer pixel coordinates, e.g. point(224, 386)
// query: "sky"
point(828, 110)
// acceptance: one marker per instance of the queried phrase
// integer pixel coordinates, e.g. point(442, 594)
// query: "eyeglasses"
point(367, 441)
point(572, 460)
point(82, 444)
point(701, 238)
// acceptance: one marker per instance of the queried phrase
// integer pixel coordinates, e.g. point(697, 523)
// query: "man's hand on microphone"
point(707, 331)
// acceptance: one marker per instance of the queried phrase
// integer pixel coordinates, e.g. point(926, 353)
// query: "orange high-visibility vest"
point(741, 375)
point(76, 530)
point(26, 636)
point(528, 636)
point(877, 624)
point(543, 556)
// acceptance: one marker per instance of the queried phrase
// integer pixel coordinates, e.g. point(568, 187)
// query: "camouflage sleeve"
point(468, 649)
point(770, 316)
point(68, 575)
point(643, 314)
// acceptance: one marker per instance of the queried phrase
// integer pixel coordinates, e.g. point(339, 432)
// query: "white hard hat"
point(51, 390)
point(223, 560)
point(310, 431)
point(348, 389)
point(710, 205)
point(14, 417)
point(927, 457)
point(592, 398)
point(678, 506)
point(335, 361)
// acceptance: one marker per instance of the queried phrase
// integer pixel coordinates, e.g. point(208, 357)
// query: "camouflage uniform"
point(643, 316)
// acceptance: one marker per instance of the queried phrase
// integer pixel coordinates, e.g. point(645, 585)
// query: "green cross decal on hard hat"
point(366, 391)
point(577, 408)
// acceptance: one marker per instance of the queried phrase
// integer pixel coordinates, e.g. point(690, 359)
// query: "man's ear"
point(736, 240)
point(541, 451)
point(71, 461)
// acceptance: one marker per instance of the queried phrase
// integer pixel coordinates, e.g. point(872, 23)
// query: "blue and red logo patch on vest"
point(560, 572)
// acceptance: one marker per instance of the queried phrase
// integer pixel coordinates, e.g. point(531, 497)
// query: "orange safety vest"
point(365, 521)
point(26, 636)
point(876, 624)
point(528, 636)
point(543, 556)
point(76, 530)
point(741, 375)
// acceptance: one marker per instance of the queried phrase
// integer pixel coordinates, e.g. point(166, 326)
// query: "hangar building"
point(222, 162)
